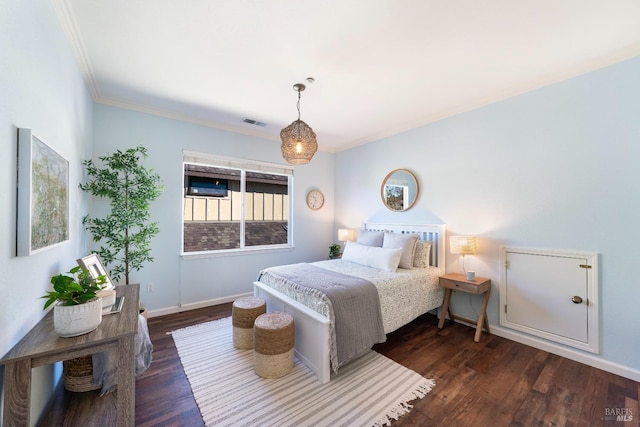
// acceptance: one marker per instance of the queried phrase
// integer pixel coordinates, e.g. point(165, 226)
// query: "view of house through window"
point(234, 204)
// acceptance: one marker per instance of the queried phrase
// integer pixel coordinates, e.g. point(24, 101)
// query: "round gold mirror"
point(399, 190)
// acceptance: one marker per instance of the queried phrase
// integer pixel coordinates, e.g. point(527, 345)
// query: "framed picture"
point(94, 265)
point(43, 196)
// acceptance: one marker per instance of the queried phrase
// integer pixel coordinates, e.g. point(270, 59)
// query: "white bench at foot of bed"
point(312, 330)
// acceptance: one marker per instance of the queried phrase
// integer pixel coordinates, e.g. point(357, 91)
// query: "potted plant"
point(125, 232)
point(78, 310)
point(334, 251)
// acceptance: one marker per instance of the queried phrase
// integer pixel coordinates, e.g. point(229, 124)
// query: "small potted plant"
point(334, 251)
point(78, 310)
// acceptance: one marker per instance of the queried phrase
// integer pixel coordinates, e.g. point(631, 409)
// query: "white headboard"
point(434, 233)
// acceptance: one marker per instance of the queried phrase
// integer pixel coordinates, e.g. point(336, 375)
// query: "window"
point(234, 204)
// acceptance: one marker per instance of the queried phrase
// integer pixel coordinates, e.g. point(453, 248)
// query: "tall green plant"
point(125, 233)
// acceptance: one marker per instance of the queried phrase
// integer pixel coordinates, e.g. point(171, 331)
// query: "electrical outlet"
point(149, 287)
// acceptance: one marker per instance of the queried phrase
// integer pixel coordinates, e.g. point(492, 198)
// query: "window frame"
point(244, 165)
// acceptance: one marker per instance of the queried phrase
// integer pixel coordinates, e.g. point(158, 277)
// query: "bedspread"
point(404, 295)
point(353, 306)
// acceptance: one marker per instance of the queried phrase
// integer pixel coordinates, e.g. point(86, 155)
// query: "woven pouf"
point(273, 339)
point(244, 312)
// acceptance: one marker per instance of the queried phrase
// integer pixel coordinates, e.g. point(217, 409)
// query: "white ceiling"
point(380, 66)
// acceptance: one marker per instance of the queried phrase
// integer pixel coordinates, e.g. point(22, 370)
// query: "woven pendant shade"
point(298, 139)
point(298, 143)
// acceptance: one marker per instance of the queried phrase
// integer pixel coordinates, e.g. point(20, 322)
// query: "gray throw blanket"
point(355, 315)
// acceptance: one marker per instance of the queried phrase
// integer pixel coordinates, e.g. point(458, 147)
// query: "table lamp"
point(464, 245)
point(346, 234)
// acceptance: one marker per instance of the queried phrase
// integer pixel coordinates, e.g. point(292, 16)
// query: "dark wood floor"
point(495, 382)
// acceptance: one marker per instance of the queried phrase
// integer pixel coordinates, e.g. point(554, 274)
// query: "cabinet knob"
point(576, 299)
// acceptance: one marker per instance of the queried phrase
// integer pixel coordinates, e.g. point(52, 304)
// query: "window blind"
point(230, 162)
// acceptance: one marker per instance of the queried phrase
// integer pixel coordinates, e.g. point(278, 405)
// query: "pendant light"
point(298, 139)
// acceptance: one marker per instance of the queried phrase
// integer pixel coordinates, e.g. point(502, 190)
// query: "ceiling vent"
point(254, 122)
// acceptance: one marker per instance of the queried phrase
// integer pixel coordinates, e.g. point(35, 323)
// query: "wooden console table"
point(41, 346)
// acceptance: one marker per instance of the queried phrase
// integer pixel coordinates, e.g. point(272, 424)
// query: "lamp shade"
point(299, 143)
point(346, 235)
point(463, 245)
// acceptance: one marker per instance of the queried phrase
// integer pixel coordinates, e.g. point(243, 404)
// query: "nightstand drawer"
point(452, 284)
point(458, 282)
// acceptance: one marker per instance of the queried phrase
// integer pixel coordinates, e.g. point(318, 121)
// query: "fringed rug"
point(370, 391)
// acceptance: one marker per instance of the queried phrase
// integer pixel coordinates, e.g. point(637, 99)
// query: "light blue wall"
point(40, 88)
point(556, 168)
point(178, 281)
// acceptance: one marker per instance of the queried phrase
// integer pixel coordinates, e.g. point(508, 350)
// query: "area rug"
point(370, 391)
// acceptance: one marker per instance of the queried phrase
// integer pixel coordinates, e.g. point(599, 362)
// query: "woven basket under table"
point(78, 374)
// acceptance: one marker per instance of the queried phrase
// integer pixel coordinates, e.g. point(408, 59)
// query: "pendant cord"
point(298, 104)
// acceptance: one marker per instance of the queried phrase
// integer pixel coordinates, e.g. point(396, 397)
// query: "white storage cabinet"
point(552, 295)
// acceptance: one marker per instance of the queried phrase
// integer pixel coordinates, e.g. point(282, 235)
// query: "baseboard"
point(577, 355)
point(194, 305)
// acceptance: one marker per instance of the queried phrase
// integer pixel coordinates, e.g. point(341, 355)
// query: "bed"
point(404, 293)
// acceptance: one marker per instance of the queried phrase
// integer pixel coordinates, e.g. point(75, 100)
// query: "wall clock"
point(315, 199)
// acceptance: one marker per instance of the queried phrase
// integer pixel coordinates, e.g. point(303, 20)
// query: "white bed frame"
point(312, 328)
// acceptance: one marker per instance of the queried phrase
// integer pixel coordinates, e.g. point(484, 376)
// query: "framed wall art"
point(94, 265)
point(43, 196)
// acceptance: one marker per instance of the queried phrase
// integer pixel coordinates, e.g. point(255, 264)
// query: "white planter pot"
point(74, 320)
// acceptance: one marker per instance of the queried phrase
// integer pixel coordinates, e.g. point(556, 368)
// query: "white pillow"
point(421, 256)
point(406, 242)
point(372, 256)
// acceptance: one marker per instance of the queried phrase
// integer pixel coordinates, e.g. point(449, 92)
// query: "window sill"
point(236, 252)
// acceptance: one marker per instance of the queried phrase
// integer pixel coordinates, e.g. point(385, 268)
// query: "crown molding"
point(68, 22)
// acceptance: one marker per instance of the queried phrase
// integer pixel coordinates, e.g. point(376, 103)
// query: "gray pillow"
point(370, 238)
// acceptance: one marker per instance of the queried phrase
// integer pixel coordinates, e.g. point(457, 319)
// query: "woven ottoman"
point(244, 312)
point(273, 339)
